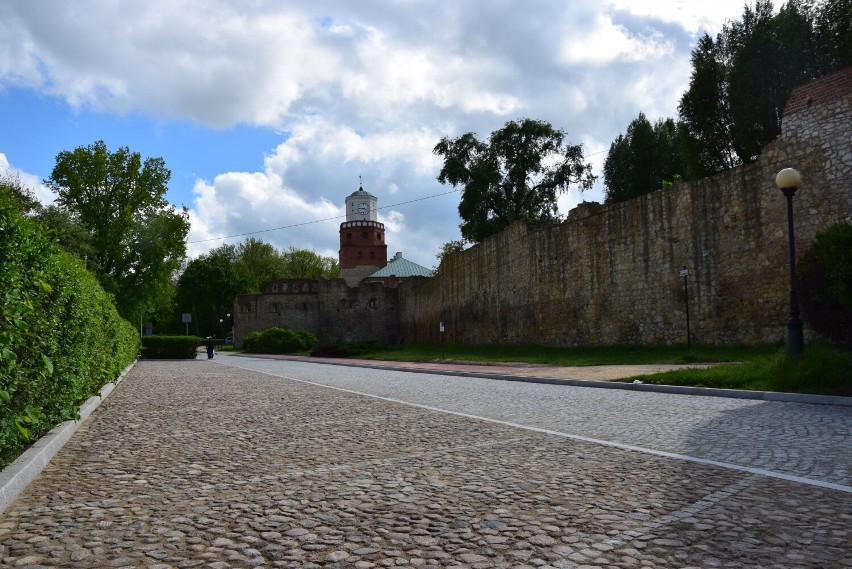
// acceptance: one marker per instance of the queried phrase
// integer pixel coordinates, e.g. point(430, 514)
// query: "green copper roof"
point(361, 193)
point(402, 268)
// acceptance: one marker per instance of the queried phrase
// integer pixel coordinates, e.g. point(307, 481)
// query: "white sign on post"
point(684, 273)
point(441, 327)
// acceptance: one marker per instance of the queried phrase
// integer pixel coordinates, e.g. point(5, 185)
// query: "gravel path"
point(204, 464)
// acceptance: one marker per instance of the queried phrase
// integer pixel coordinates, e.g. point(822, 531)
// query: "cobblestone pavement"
point(796, 439)
point(202, 464)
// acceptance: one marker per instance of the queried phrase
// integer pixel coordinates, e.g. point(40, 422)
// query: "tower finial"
point(360, 182)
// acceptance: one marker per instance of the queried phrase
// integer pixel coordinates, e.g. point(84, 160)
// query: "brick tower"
point(363, 250)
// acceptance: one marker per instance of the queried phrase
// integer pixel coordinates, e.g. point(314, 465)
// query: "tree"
point(207, 288)
point(138, 239)
point(259, 262)
point(705, 114)
point(448, 248)
point(209, 284)
point(306, 264)
point(69, 233)
point(741, 81)
point(767, 55)
point(516, 175)
point(833, 36)
point(643, 159)
point(18, 193)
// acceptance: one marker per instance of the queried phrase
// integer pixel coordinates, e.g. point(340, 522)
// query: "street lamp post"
point(788, 181)
point(684, 274)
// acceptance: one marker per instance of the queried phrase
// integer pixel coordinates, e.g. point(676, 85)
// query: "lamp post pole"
point(788, 181)
point(684, 274)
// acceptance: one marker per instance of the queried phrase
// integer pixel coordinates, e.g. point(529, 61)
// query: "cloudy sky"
point(267, 112)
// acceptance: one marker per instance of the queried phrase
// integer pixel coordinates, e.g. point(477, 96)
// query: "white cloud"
point(30, 181)
point(357, 89)
point(695, 18)
point(604, 42)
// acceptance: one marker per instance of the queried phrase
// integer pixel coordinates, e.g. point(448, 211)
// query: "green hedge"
point(61, 338)
point(279, 341)
point(171, 347)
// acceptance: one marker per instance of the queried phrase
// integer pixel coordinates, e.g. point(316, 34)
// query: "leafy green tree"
point(641, 160)
point(18, 193)
point(207, 288)
point(209, 284)
point(705, 114)
point(516, 175)
point(740, 82)
point(448, 248)
point(833, 35)
point(306, 264)
point(259, 262)
point(138, 239)
point(69, 233)
point(767, 55)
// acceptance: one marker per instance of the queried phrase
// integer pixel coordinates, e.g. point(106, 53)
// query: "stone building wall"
point(328, 308)
point(288, 303)
point(609, 274)
point(369, 312)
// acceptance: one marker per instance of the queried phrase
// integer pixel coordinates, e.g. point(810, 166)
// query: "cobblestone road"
point(202, 464)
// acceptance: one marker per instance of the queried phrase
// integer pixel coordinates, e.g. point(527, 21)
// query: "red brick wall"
point(362, 243)
point(820, 91)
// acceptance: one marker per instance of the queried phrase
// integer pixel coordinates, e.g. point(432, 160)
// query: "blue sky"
point(267, 113)
point(38, 127)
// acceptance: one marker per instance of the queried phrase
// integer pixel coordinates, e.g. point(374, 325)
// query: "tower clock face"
point(363, 208)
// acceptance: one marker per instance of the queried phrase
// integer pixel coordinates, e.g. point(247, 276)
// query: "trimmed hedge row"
point(171, 347)
point(61, 338)
point(279, 341)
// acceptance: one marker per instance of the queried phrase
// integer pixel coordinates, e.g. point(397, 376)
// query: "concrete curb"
point(17, 476)
point(646, 387)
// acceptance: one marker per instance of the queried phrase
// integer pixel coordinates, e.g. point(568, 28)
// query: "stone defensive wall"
point(610, 274)
point(328, 308)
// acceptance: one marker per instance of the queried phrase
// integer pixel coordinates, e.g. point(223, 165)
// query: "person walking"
point(209, 344)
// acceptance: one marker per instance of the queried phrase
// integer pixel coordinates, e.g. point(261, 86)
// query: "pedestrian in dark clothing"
point(209, 344)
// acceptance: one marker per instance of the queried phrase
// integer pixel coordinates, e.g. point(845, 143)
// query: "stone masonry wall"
point(290, 303)
point(369, 312)
point(332, 310)
point(609, 274)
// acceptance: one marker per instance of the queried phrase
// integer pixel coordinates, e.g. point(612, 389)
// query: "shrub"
point(61, 338)
point(825, 284)
point(279, 341)
point(171, 347)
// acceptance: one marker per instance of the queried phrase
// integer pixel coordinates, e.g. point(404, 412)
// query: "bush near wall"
point(825, 284)
point(171, 347)
point(61, 338)
point(280, 341)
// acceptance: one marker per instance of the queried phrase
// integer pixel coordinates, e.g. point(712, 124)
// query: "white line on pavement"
point(622, 446)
